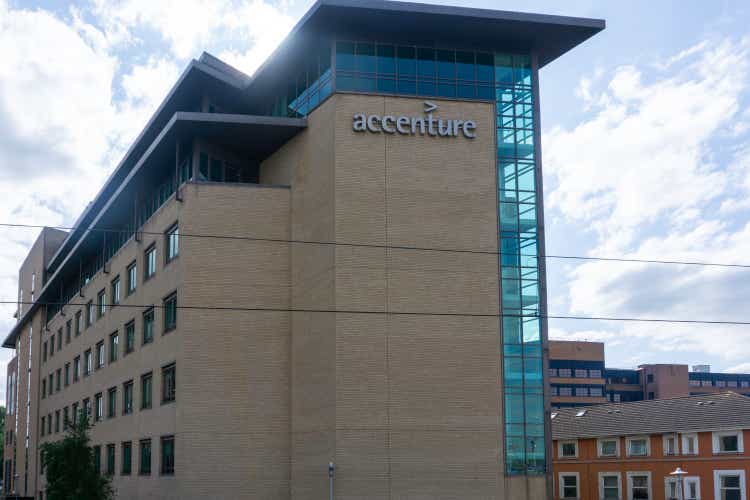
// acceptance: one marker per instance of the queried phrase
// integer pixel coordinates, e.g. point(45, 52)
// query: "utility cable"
point(397, 247)
point(402, 313)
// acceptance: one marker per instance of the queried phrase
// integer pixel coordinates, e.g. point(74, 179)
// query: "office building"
point(631, 450)
point(335, 260)
point(578, 376)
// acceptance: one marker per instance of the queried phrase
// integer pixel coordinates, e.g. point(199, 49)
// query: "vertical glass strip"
point(523, 386)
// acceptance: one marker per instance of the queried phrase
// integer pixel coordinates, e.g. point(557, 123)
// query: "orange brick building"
point(627, 451)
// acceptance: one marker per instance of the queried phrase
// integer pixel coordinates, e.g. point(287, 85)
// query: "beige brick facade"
point(369, 337)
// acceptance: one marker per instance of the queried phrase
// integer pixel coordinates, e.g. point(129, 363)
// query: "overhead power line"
point(395, 313)
point(397, 247)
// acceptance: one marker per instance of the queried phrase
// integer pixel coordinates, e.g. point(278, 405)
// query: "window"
point(581, 373)
point(67, 374)
point(721, 383)
point(727, 442)
point(130, 337)
point(58, 376)
point(44, 387)
point(650, 378)
point(75, 413)
point(638, 446)
point(564, 372)
point(729, 485)
point(168, 383)
point(145, 465)
point(112, 402)
point(172, 242)
point(553, 391)
point(127, 397)
point(567, 449)
point(89, 313)
point(78, 323)
point(691, 485)
point(98, 458)
point(52, 345)
point(66, 418)
point(57, 421)
point(148, 326)
point(44, 352)
point(110, 459)
point(170, 313)
point(115, 291)
point(101, 303)
point(745, 383)
point(49, 423)
point(609, 485)
point(127, 456)
point(149, 259)
point(59, 339)
point(87, 407)
point(132, 277)
point(76, 368)
point(99, 407)
point(99, 354)
point(582, 391)
point(639, 485)
point(51, 382)
point(732, 383)
point(706, 383)
point(565, 391)
point(568, 484)
point(114, 347)
point(609, 447)
point(670, 444)
point(167, 455)
point(695, 383)
point(595, 374)
point(617, 397)
point(595, 391)
point(650, 395)
point(553, 372)
point(146, 385)
point(43, 427)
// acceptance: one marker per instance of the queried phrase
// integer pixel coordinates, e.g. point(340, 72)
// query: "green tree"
point(70, 468)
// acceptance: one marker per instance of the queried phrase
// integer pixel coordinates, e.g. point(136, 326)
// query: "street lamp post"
point(680, 475)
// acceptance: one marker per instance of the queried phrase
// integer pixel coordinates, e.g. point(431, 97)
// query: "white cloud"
point(741, 368)
point(190, 26)
point(650, 175)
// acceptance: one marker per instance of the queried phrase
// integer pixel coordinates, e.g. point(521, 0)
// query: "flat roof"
point(549, 36)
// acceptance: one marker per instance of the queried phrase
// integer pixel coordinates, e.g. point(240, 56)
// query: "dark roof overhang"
point(258, 136)
point(546, 35)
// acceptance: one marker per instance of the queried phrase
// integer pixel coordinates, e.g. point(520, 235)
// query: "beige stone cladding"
point(234, 400)
point(395, 360)
point(161, 419)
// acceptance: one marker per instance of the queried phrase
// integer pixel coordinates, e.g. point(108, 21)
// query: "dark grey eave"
point(262, 135)
point(717, 411)
point(547, 35)
point(197, 73)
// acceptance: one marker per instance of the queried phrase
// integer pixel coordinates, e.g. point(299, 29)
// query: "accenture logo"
point(415, 125)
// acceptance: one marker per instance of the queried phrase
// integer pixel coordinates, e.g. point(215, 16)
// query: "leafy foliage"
point(70, 468)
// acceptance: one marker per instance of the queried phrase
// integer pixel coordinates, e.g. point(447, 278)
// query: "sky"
point(645, 139)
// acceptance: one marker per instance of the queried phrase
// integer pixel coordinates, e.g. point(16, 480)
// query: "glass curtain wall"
point(523, 385)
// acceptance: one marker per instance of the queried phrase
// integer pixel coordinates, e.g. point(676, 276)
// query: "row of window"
point(577, 373)
point(673, 444)
point(728, 485)
point(96, 358)
point(720, 383)
point(96, 311)
point(561, 390)
point(166, 467)
point(168, 395)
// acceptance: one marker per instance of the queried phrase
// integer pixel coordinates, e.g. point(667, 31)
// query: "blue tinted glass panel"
point(366, 61)
point(345, 56)
point(485, 68)
point(407, 61)
point(446, 64)
point(465, 65)
point(426, 63)
point(386, 60)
